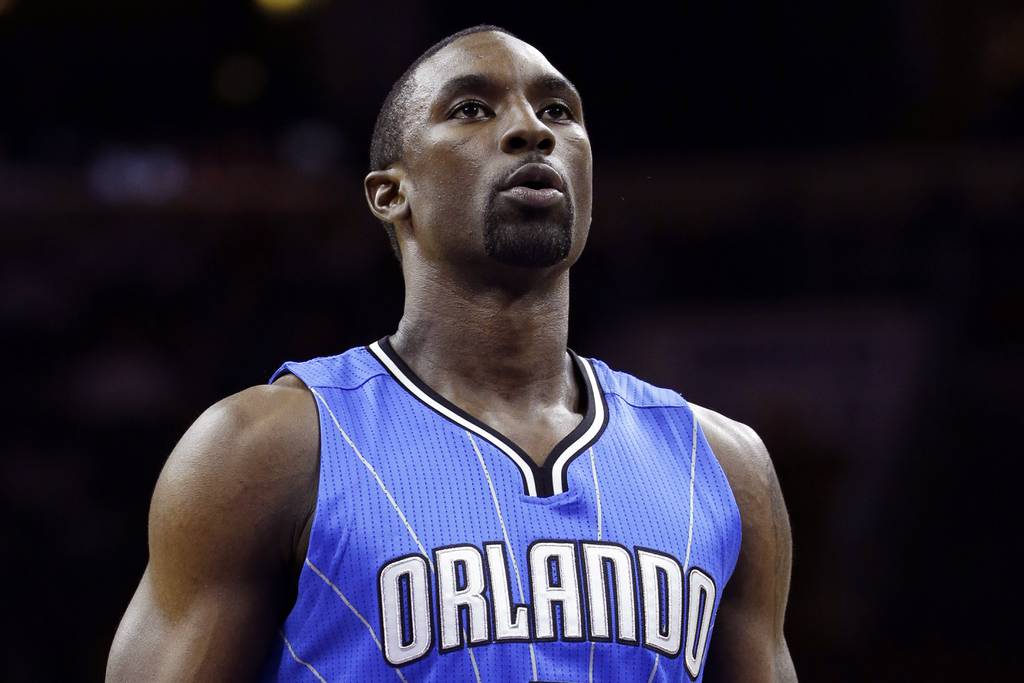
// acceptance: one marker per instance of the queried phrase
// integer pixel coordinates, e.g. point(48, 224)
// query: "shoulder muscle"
point(745, 460)
point(233, 489)
point(227, 509)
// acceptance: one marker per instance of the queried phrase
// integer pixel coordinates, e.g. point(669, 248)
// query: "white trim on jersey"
point(556, 463)
point(562, 461)
point(412, 388)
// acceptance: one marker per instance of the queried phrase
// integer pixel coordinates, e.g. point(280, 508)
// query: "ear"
point(385, 196)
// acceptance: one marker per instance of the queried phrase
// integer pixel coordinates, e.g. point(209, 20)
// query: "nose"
point(526, 132)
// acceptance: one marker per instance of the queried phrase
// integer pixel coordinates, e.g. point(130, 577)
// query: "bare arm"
point(749, 644)
point(225, 525)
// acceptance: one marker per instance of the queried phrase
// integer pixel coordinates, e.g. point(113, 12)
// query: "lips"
point(535, 176)
point(536, 185)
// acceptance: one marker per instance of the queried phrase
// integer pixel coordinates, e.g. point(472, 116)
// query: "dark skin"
point(229, 521)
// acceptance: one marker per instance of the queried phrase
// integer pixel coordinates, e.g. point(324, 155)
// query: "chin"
point(540, 240)
point(532, 245)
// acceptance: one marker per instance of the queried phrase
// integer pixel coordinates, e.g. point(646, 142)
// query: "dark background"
point(807, 216)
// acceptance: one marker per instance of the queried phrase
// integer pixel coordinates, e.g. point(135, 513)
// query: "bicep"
point(221, 527)
point(215, 636)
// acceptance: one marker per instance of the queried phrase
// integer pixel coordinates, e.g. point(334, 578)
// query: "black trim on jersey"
point(543, 475)
point(588, 419)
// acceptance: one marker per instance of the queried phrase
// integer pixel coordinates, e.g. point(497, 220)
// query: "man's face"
point(482, 108)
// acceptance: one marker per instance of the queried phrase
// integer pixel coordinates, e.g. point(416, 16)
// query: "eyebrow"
point(549, 83)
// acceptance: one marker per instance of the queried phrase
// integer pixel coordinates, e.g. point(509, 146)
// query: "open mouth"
point(536, 185)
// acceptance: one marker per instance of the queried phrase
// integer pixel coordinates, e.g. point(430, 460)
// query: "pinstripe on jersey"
point(439, 551)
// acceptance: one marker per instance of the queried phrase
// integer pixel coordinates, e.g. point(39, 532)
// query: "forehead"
point(498, 56)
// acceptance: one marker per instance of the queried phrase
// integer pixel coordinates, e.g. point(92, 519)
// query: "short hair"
point(388, 143)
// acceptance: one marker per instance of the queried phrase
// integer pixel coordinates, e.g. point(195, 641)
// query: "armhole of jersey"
point(290, 369)
point(702, 442)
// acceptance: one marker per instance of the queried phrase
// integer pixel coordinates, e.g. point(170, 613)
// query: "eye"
point(561, 112)
point(469, 110)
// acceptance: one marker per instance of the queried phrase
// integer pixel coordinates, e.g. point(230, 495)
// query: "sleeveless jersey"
point(440, 552)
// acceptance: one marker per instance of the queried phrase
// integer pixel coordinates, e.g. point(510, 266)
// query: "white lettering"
point(594, 557)
point(509, 624)
point(546, 593)
point(702, 596)
point(451, 599)
point(399, 647)
point(666, 639)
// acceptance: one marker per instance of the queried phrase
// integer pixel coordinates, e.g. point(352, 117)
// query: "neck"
point(488, 340)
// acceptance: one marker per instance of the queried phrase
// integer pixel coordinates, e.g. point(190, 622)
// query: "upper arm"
point(749, 642)
point(222, 526)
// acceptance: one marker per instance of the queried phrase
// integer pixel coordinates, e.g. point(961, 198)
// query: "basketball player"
point(466, 499)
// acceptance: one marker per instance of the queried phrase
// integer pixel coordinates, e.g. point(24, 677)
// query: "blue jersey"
point(440, 552)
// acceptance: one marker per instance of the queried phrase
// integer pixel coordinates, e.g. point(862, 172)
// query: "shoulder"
point(241, 481)
point(766, 536)
point(633, 390)
point(254, 435)
point(739, 450)
point(349, 369)
point(748, 467)
point(222, 528)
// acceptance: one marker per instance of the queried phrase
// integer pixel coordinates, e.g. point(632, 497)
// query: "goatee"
point(525, 236)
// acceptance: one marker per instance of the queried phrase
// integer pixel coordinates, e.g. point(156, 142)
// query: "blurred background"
point(807, 216)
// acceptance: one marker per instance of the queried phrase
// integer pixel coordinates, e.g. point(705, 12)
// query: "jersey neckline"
point(538, 480)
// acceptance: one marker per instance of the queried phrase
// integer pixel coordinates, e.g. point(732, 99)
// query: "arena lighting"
point(280, 6)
